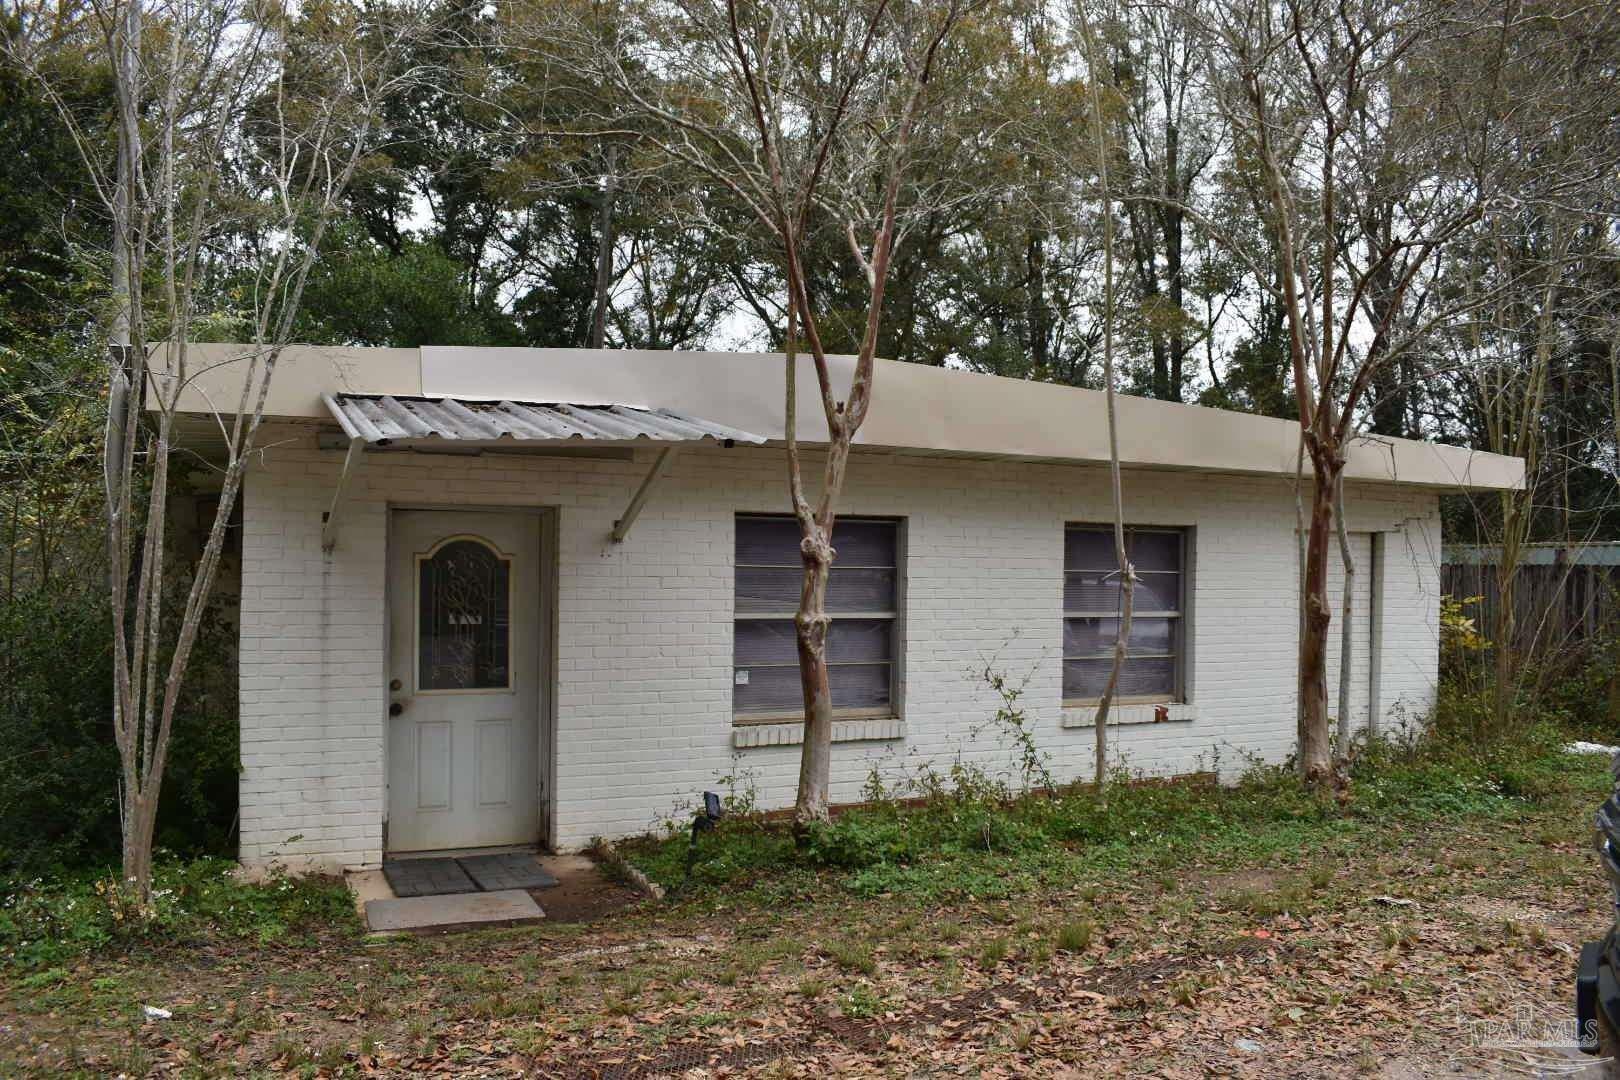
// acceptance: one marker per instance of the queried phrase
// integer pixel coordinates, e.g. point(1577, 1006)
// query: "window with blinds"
point(1091, 608)
point(862, 598)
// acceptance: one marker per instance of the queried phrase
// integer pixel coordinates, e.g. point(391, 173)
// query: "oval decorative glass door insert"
point(464, 624)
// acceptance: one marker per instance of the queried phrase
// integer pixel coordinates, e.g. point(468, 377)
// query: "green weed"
point(1075, 936)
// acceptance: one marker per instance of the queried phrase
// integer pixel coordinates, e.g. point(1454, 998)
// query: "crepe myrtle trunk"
point(811, 623)
point(1315, 745)
point(139, 823)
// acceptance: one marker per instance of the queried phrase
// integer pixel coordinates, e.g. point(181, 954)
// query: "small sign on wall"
point(742, 677)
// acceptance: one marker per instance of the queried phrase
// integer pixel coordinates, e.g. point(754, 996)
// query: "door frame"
point(546, 624)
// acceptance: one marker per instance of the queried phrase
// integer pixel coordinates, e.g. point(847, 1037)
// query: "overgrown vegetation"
point(58, 766)
point(49, 922)
point(1575, 686)
point(950, 883)
point(967, 834)
point(1345, 937)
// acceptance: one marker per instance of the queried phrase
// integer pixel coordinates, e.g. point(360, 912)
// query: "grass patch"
point(1075, 936)
point(47, 923)
point(852, 955)
point(993, 952)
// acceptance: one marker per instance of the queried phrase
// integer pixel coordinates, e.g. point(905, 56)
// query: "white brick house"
point(550, 683)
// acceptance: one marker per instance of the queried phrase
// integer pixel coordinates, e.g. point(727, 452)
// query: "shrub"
point(1583, 689)
point(58, 765)
point(862, 838)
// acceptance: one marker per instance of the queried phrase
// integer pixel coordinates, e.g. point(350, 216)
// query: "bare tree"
point(1319, 94)
point(1127, 573)
point(228, 118)
point(805, 113)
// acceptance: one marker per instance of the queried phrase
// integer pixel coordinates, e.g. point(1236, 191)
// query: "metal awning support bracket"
point(330, 520)
point(621, 528)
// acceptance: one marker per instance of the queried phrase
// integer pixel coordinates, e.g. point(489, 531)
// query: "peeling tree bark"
point(1315, 752)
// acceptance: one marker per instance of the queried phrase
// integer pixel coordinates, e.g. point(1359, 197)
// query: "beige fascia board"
point(915, 409)
point(215, 372)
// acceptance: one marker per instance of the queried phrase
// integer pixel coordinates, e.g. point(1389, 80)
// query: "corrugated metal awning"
point(379, 419)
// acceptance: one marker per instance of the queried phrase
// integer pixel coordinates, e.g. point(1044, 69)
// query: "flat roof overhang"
point(916, 410)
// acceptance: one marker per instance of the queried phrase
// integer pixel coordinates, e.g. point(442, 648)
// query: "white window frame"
point(1179, 618)
point(892, 711)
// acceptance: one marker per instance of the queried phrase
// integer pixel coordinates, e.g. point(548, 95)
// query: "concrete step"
point(506, 907)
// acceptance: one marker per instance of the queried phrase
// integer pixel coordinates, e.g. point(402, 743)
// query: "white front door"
point(464, 679)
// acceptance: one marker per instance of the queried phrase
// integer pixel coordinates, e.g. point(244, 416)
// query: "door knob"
point(395, 708)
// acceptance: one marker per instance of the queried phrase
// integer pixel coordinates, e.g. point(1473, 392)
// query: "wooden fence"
point(1559, 602)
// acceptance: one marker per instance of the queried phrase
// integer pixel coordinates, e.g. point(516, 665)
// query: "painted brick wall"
point(644, 644)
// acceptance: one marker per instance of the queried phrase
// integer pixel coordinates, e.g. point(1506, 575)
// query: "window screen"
point(862, 598)
point(1091, 608)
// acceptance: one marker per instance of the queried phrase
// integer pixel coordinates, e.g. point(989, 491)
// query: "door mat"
point(426, 877)
point(513, 870)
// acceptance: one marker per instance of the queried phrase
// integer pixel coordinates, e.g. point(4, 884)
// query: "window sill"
point(1085, 716)
point(744, 736)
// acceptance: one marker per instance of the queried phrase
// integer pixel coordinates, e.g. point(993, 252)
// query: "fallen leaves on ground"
point(1402, 947)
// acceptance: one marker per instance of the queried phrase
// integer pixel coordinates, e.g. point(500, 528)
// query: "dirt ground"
point(1436, 951)
point(583, 893)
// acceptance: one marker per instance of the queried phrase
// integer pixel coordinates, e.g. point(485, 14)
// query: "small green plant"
point(852, 955)
point(330, 1057)
point(1075, 936)
point(993, 952)
point(861, 1003)
point(1012, 722)
point(741, 784)
point(289, 1052)
point(875, 790)
point(619, 1004)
